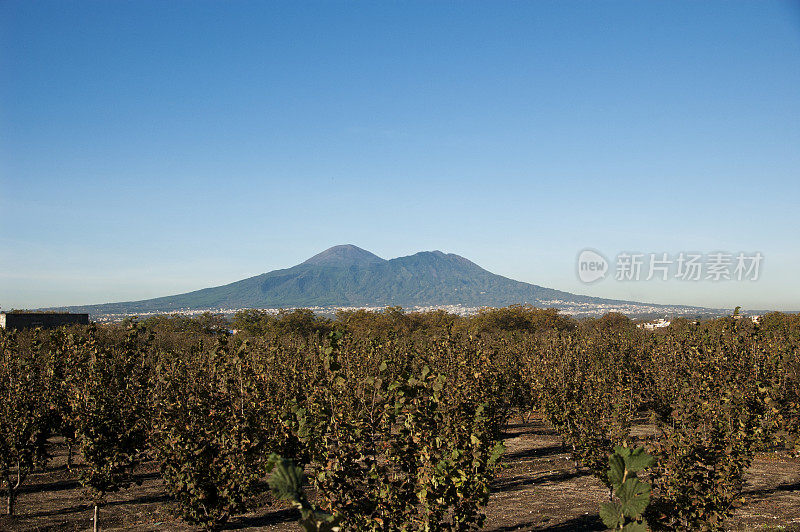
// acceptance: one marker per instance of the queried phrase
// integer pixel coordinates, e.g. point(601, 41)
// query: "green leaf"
point(617, 471)
point(611, 514)
point(286, 479)
point(272, 460)
point(497, 451)
point(638, 460)
point(622, 451)
point(634, 496)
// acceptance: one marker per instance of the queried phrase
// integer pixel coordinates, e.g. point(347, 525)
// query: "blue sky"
point(152, 148)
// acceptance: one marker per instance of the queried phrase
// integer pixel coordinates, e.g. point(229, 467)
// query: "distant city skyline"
point(153, 148)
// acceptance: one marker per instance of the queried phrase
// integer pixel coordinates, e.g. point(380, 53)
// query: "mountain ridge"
point(349, 276)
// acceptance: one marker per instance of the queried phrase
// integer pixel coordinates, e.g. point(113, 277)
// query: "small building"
point(656, 324)
point(45, 320)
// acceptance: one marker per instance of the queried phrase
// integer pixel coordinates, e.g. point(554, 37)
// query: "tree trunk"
point(96, 511)
point(69, 454)
point(11, 495)
point(12, 491)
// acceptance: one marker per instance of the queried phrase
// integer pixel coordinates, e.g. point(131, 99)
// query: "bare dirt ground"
point(539, 488)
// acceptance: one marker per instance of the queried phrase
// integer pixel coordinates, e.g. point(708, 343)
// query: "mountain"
point(345, 256)
point(348, 276)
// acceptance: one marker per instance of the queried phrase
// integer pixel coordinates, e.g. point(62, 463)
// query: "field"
point(538, 489)
point(502, 421)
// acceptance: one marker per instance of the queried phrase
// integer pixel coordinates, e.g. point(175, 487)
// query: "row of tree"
point(397, 418)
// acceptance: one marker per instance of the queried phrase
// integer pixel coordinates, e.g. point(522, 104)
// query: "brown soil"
point(539, 488)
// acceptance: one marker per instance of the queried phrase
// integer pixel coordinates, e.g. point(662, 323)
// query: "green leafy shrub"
point(396, 451)
point(633, 495)
point(23, 414)
point(207, 437)
point(108, 405)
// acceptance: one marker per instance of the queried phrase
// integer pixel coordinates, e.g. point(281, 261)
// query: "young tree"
point(23, 414)
point(108, 402)
point(207, 435)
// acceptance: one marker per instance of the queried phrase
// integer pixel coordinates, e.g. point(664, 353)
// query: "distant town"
point(576, 310)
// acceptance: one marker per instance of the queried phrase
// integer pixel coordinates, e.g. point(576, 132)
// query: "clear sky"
point(152, 148)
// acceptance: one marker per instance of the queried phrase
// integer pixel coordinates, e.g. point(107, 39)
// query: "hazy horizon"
point(153, 148)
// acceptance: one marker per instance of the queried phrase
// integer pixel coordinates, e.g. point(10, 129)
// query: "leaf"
point(497, 451)
point(622, 451)
point(634, 496)
point(611, 514)
point(286, 479)
point(638, 460)
point(617, 471)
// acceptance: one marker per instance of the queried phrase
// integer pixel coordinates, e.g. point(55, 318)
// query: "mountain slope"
point(344, 276)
